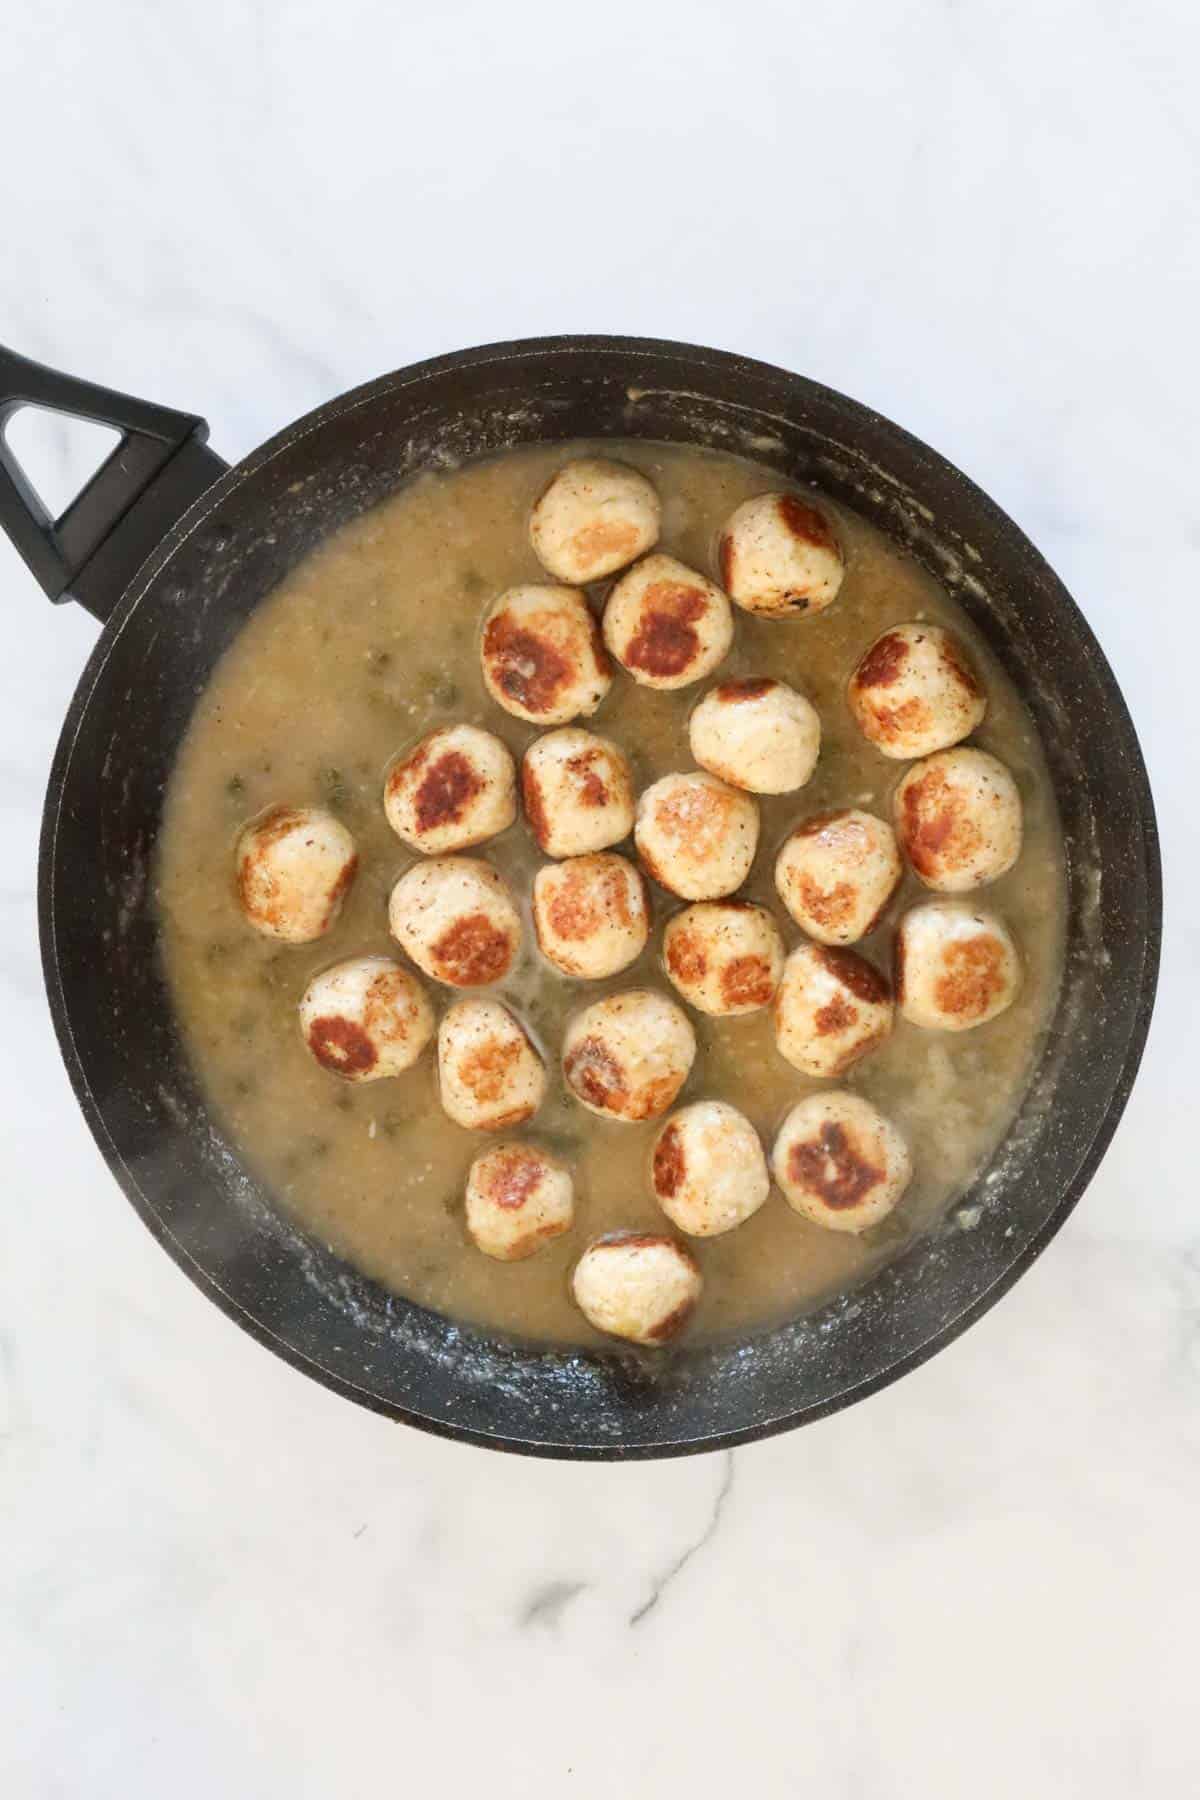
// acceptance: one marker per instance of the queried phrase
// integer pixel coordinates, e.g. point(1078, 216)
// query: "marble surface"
point(214, 1576)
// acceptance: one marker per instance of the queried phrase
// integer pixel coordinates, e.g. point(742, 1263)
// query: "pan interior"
point(373, 642)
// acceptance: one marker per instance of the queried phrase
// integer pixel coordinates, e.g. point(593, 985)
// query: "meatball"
point(837, 872)
point(958, 818)
point(637, 1285)
point(627, 1056)
point(489, 1072)
point(696, 836)
point(916, 691)
point(956, 966)
point(840, 1162)
point(366, 1019)
point(458, 787)
point(518, 1199)
point(594, 517)
point(757, 734)
point(832, 1009)
point(542, 655)
point(779, 557)
point(591, 914)
point(667, 625)
point(724, 956)
point(294, 865)
point(578, 792)
point(457, 919)
point(707, 1169)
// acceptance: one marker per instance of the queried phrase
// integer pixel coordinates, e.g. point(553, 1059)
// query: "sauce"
point(372, 642)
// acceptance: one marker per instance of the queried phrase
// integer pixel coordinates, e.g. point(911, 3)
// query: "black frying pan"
point(173, 550)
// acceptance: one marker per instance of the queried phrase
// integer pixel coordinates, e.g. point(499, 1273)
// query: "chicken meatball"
point(667, 625)
point(542, 655)
point(518, 1200)
point(724, 956)
point(591, 914)
point(840, 1162)
point(366, 1019)
point(757, 734)
point(837, 872)
point(707, 1169)
point(916, 691)
point(294, 865)
point(956, 966)
point(627, 1056)
point(457, 919)
point(696, 836)
point(779, 557)
point(594, 517)
point(637, 1285)
point(958, 818)
point(578, 792)
point(458, 787)
point(489, 1072)
point(832, 1009)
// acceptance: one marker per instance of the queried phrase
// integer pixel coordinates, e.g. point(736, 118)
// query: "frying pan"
point(172, 550)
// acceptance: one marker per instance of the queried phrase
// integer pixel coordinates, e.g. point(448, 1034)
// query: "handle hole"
point(58, 453)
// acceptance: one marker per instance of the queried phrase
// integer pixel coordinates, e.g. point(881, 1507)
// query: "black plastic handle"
point(162, 463)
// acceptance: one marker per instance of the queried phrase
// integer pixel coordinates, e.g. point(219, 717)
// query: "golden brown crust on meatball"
point(489, 1071)
point(578, 792)
point(806, 523)
point(589, 895)
point(591, 914)
point(958, 818)
point(840, 1162)
point(956, 966)
point(473, 951)
point(629, 1054)
point(666, 641)
point(457, 918)
point(832, 1167)
point(750, 687)
point(779, 556)
point(592, 518)
point(518, 1199)
point(529, 667)
point(915, 691)
point(542, 655)
point(297, 903)
point(973, 979)
point(668, 1162)
point(832, 1009)
point(666, 624)
point(696, 836)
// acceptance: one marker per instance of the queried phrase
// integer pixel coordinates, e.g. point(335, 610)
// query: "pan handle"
point(93, 549)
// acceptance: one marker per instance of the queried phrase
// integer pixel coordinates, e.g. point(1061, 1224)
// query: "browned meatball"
point(591, 914)
point(915, 691)
point(458, 920)
point(294, 866)
point(542, 656)
point(958, 818)
point(457, 787)
point(637, 1285)
point(832, 1009)
point(627, 1056)
point(840, 1162)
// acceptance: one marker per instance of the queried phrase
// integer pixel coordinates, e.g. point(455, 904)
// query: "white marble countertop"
point(217, 1578)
